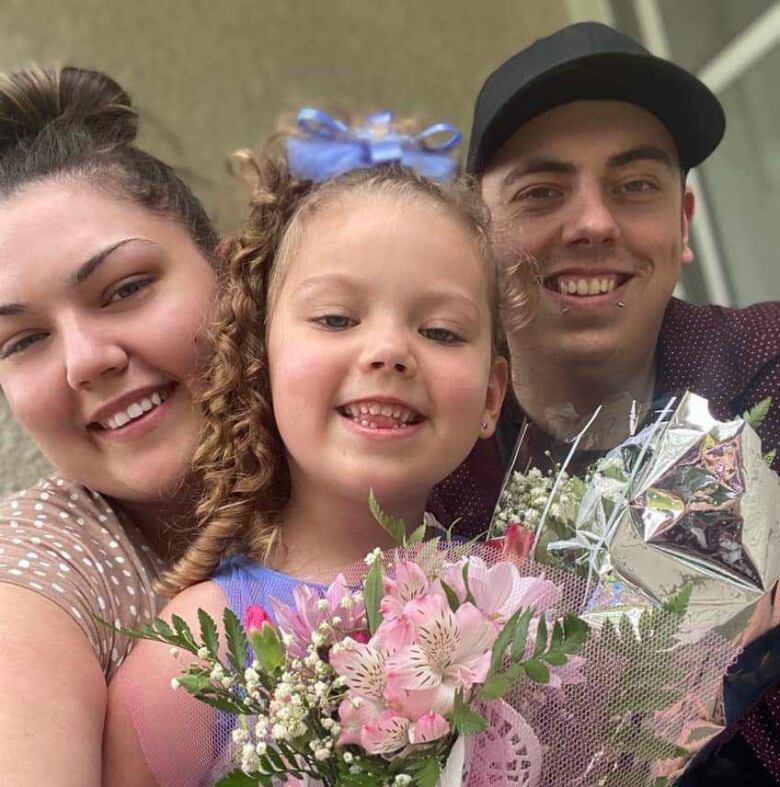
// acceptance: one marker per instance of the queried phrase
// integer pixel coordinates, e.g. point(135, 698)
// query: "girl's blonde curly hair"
point(241, 463)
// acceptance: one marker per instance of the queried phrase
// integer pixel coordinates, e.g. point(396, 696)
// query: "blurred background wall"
point(210, 77)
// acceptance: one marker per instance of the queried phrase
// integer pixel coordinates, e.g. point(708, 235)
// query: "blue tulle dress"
point(245, 582)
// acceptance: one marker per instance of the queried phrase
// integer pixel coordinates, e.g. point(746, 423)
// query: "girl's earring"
point(484, 424)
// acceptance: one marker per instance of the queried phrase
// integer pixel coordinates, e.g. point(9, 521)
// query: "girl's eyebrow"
point(323, 280)
point(84, 271)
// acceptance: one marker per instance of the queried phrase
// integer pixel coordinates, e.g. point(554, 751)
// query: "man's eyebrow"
point(643, 153)
point(534, 166)
point(94, 262)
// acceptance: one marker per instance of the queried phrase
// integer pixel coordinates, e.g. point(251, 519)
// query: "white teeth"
point(586, 287)
point(359, 413)
point(135, 410)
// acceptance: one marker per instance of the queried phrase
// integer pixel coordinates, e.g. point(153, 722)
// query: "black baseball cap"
point(589, 60)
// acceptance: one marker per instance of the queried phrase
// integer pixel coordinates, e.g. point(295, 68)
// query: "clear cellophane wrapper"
point(690, 500)
point(601, 730)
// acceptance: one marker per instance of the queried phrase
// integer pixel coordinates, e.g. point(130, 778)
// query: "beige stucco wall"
point(210, 77)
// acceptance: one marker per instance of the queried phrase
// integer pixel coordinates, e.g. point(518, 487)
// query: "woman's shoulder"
point(68, 543)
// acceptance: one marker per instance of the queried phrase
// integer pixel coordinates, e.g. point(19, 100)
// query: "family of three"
point(217, 412)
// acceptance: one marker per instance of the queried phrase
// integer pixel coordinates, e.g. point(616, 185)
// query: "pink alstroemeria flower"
point(451, 652)
point(427, 728)
point(390, 734)
point(305, 617)
point(403, 590)
point(499, 590)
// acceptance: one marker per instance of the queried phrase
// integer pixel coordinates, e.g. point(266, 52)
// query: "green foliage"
point(536, 671)
point(373, 589)
point(392, 525)
point(756, 415)
point(237, 778)
point(464, 720)
point(647, 687)
point(550, 648)
point(428, 772)
point(238, 648)
point(452, 596)
point(208, 633)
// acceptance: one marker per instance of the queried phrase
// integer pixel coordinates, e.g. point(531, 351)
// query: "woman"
point(104, 281)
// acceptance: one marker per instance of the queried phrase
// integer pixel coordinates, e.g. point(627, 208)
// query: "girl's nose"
point(392, 354)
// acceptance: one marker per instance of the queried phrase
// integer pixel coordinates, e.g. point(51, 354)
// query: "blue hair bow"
point(328, 147)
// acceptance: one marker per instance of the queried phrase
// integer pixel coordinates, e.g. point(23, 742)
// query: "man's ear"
point(499, 377)
point(688, 206)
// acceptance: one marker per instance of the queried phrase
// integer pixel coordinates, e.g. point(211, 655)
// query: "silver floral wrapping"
point(688, 499)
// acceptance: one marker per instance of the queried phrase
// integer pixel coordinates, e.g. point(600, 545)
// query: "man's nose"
point(91, 354)
point(592, 219)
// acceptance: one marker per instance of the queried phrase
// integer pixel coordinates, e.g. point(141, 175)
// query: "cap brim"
point(685, 105)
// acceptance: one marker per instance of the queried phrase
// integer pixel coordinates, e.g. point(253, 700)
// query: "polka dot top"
point(67, 543)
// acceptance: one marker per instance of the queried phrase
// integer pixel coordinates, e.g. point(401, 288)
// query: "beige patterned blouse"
point(67, 543)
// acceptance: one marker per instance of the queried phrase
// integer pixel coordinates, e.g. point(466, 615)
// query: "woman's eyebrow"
point(79, 276)
point(93, 263)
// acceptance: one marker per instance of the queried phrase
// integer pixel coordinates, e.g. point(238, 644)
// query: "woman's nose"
point(91, 355)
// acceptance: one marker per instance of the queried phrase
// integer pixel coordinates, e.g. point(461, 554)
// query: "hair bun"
point(39, 101)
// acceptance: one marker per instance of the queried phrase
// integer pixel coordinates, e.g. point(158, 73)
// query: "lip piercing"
point(621, 304)
point(565, 309)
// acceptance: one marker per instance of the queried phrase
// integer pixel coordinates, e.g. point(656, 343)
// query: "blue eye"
point(336, 322)
point(128, 290)
point(20, 345)
point(441, 335)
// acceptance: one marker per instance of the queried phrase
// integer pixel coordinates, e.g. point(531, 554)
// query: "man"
point(582, 143)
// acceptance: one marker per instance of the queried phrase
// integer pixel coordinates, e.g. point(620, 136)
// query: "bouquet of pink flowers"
point(381, 683)
point(441, 663)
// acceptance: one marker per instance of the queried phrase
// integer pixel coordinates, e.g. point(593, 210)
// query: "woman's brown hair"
point(241, 461)
point(77, 123)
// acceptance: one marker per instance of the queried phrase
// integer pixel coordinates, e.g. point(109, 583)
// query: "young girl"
point(355, 349)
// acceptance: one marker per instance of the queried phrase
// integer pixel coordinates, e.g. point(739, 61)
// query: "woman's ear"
point(496, 390)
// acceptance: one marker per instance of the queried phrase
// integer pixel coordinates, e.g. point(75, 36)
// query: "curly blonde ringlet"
point(241, 461)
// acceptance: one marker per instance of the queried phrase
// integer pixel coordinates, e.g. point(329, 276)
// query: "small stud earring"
point(484, 424)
